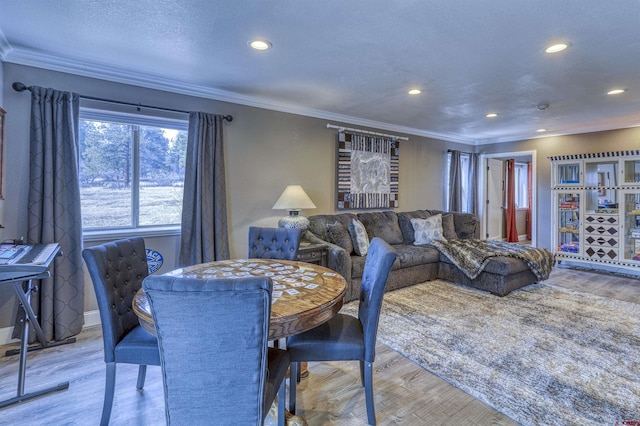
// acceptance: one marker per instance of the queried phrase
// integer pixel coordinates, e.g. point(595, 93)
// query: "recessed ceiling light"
point(541, 130)
point(260, 44)
point(555, 48)
point(415, 91)
point(616, 91)
point(491, 115)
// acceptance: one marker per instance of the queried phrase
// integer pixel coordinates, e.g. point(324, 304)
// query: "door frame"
point(482, 195)
point(488, 179)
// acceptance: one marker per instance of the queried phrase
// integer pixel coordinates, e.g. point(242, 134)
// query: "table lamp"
point(294, 199)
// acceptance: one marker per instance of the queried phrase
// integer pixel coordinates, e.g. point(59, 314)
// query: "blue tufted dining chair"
point(274, 243)
point(117, 270)
point(345, 337)
point(213, 335)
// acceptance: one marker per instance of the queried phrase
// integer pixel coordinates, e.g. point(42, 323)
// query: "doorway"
point(495, 196)
point(491, 204)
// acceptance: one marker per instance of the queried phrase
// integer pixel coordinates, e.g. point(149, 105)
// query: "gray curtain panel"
point(54, 210)
point(455, 183)
point(472, 204)
point(204, 236)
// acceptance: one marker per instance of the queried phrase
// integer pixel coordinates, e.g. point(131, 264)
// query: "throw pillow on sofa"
point(427, 230)
point(359, 237)
point(448, 227)
point(339, 236)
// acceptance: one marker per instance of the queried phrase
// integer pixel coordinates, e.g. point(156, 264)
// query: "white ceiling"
point(354, 61)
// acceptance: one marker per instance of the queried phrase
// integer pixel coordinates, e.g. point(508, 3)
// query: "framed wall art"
point(367, 171)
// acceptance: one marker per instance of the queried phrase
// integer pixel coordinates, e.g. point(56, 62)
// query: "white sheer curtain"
point(462, 182)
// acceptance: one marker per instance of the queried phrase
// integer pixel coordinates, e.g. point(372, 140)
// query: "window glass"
point(521, 186)
point(131, 175)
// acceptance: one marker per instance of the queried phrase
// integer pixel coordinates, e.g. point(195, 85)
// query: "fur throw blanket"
point(471, 255)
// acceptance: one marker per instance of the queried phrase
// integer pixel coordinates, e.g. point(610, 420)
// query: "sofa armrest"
point(337, 258)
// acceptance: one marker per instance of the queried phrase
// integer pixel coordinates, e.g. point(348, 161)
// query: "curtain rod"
point(21, 87)
point(350, 129)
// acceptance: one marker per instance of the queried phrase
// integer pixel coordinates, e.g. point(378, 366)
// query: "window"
point(131, 170)
point(522, 185)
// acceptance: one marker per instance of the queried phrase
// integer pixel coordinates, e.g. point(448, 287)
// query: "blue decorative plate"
point(154, 260)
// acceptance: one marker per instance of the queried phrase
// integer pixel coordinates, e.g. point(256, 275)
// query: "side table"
point(313, 253)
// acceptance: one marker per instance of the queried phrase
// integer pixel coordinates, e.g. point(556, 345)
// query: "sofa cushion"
point(359, 237)
point(467, 225)
point(427, 230)
point(357, 266)
point(448, 227)
point(382, 225)
point(339, 235)
point(407, 255)
point(404, 221)
point(412, 255)
point(319, 224)
point(499, 265)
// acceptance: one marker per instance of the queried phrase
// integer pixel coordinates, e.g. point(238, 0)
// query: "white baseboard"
point(91, 318)
point(5, 336)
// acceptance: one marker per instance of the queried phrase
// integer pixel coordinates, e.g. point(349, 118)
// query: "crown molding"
point(5, 47)
point(105, 72)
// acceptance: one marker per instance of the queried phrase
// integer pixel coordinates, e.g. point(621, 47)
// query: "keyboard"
point(12, 254)
point(25, 260)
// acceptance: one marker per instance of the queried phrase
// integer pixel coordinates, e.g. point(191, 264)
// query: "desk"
point(15, 275)
point(304, 295)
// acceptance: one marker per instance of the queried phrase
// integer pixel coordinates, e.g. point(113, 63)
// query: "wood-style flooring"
point(405, 394)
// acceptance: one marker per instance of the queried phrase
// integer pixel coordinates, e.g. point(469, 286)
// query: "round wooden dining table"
point(304, 294)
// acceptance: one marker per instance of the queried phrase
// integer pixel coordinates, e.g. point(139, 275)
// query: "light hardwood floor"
point(405, 394)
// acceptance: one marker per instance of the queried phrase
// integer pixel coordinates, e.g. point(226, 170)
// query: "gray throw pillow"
point(339, 236)
point(427, 230)
point(359, 237)
point(449, 227)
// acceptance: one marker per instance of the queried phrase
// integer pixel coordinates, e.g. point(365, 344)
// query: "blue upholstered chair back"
point(117, 270)
point(212, 335)
point(273, 243)
point(380, 258)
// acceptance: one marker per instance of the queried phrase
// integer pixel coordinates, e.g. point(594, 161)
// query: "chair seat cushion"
point(340, 338)
point(138, 347)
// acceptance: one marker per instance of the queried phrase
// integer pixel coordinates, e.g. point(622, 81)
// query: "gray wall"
point(264, 151)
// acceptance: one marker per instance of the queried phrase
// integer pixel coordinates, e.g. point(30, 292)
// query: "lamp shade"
point(294, 198)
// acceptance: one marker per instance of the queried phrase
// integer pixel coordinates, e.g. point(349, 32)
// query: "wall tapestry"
point(367, 171)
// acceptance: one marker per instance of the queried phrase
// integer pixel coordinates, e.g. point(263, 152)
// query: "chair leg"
point(142, 373)
point(293, 373)
point(109, 389)
point(281, 403)
point(368, 392)
point(362, 372)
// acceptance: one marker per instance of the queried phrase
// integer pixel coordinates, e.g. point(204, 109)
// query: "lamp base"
point(294, 221)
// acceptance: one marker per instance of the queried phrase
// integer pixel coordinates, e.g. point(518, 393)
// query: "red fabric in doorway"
point(512, 231)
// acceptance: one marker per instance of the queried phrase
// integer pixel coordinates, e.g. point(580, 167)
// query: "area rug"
point(543, 355)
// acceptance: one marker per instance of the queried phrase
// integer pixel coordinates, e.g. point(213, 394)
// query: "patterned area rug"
point(543, 355)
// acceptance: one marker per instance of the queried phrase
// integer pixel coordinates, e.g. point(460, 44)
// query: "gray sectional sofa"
point(414, 263)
